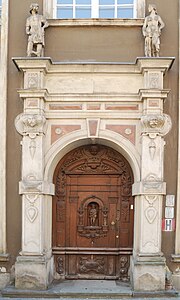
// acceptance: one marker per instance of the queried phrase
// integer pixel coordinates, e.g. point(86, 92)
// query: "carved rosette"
point(154, 125)
point(30, 124)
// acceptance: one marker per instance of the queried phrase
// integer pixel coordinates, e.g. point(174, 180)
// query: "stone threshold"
point(157, 294)
point(83, 289)
point(86, 289)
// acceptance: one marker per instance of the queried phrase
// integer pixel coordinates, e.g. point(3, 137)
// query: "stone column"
point(34, 265)
point(148, 263)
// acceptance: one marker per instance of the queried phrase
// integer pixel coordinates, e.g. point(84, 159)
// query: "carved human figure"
point(35, 26)
point(93, 214)
point(152, 27)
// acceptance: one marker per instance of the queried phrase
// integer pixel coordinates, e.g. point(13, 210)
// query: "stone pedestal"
point(33, 272)
point(148, 273)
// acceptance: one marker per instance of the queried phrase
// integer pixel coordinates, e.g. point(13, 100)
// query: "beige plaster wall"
point(88, 44)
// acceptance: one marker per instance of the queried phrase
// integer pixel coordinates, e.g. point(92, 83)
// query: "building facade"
point(89, 139)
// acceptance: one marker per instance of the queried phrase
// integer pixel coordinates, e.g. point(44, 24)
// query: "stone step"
point(86, 289)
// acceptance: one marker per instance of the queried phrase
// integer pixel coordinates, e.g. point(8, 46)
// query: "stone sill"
point(4, 257)
point(96, 22)
point(175, 258)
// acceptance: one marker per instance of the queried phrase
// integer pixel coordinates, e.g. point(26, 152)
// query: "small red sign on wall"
point(168, 225)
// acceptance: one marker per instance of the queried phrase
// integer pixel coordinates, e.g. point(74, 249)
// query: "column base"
point(33, 272)
point(5, 276)
point(176, 281)
point(4, 279)
point(148, 273)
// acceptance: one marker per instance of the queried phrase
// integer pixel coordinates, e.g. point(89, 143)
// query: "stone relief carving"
point(96, 265)
point(33, 80)
point(31, 184)
point(154, 80)
point(154, 125)
point(152, 149)
point(151, 211)
point(151, 214)
point(28, 124)
point(35, 26)
point(32, 148)
point(152, 27)
point(31, 210)
point(152, 183)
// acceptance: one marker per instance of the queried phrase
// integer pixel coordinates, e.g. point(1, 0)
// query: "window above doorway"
point(94, 9)
point(70, 9)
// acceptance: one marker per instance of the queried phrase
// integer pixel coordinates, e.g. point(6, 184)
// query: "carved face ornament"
point(32, 121)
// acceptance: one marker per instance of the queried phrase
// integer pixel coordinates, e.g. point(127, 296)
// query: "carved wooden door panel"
point(93, 214)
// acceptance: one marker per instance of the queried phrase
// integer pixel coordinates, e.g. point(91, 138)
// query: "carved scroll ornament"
point(154, 125)
point(30, 124)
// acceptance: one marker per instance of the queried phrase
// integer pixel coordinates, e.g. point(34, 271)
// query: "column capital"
point(151, 186)
point(155, 63)
point(32, 186)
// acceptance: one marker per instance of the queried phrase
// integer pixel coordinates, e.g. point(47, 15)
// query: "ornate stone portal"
point(70, 105)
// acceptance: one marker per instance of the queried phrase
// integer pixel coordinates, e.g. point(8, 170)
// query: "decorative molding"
point(154, 125)
point(30, 124)
point(152, 149)
point(31, 210)
point(32, 80)
point(32, 148)
point(60, 265)
point(124, 268)
point(32, 213)
point(151, 214)
point(92, 264)
point(31, 185)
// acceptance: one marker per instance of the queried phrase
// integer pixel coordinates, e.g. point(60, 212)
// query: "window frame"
point(48, 10)
point(95, 8)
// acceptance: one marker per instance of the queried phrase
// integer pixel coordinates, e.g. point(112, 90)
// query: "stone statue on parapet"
point(35, 26)
point(152, 27)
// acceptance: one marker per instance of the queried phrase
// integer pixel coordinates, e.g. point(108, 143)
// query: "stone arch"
point(79, 138)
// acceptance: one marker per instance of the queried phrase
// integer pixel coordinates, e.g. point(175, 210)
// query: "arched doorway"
point(93, 214)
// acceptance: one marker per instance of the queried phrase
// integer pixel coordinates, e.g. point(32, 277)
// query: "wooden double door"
point(93, 213)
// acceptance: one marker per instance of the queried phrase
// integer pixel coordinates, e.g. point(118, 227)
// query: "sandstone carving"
point(32, 125)
point(152, 27)
point(154, 125)
point(32, 213)
point(152, 149)
point(35, 26)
